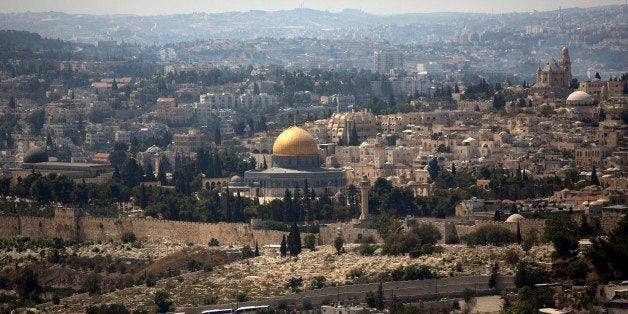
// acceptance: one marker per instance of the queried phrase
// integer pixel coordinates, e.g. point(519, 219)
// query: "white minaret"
point(364, 191)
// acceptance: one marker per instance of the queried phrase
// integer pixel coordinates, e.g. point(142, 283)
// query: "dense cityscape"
point(306, 161)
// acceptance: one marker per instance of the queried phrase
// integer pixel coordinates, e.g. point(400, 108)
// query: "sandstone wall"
point(9, 227)
point(68, 224)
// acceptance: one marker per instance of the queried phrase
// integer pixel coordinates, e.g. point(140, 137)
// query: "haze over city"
point(327, 157)
point(162, 7)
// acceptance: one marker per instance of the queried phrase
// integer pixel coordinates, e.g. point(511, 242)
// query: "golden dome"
point(295, 141)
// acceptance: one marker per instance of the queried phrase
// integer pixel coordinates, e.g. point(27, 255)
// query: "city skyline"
point(162, 7)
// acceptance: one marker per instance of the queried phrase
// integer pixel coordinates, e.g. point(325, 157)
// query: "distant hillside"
point(348, 24)
point(22, 44)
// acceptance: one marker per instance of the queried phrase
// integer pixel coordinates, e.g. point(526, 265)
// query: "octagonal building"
point(295, 160)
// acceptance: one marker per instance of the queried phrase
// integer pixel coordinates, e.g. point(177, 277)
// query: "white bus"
point(253, 309)
point(219, 311)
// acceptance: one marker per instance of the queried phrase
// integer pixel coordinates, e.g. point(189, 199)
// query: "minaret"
point(364, 192)
point(565, 65)
point(539, 78)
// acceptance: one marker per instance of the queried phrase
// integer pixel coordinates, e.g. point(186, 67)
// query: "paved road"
point(407, 291)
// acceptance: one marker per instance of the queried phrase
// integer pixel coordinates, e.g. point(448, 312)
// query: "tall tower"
point(364, 192)
point(565, 65)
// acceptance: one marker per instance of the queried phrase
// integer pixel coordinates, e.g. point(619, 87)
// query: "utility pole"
point(436, 296)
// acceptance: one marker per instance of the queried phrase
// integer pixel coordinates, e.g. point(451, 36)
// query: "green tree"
point(283, 247)
point(338, 243)
point(433, 168)
point(36, 120)
point(294, 283)
point(247, 252)
point(530, 240)
point(609, 255)
point(118, 156)
point(294, 240)
point(443, 149)
point(318, 282)
point(489, 234)
point(386, 224)
point(530, 274)
point(594, 178)
point(217, 136)
point(562, 231)
point(128, 237)
point(132, 173)
point(91, 283)
point(27, 284)
point(310, 241)
point(499, 101)
point(369, 298)
point(161, 300)
point(518, 233)
point(428, 233)
point(492, 280)
point(40, 191)
point(161, 174)
point(379, 297)
point(353, 137)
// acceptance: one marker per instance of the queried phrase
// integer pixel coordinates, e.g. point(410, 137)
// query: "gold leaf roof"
point(295, 141)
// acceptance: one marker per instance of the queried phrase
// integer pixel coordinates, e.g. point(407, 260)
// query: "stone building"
point(555, 74)
point(384, 61)
point(341, 124)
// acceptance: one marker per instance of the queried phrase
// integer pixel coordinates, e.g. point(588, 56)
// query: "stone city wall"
point(68, 224)
point(348, 231)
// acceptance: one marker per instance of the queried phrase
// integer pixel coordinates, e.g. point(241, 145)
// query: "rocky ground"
point(267, 275)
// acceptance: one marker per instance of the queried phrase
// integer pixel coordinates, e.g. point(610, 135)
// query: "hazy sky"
point(159, 7)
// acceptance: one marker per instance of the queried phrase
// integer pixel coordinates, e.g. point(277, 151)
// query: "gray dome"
point(35, 155)
point(236, 179)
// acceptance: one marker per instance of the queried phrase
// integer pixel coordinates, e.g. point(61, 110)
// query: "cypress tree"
point(217, 166)
point(9, 138)
point(379, 299)
point(283, 247)
point(161, 174)
point(518, 233)
point(217, 136)
point(353, 138)
point(287, 200)
point(149, 175)
point(12, 102)
point(294, 240)
point(594, 179)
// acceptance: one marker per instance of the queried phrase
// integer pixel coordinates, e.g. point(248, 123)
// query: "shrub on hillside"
point(128, 236)
point(489, 234)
